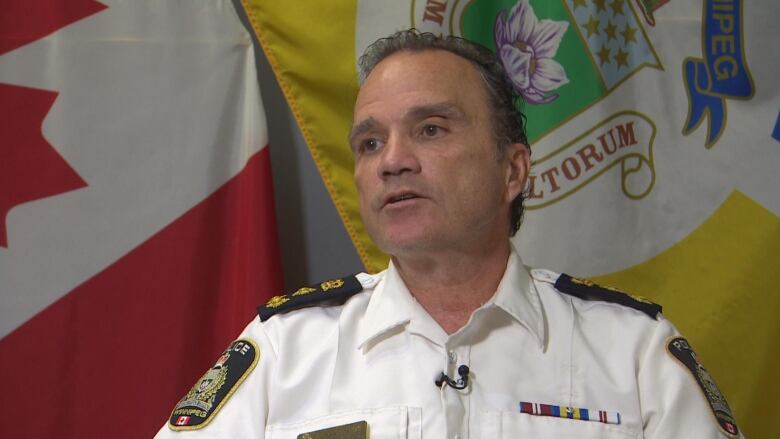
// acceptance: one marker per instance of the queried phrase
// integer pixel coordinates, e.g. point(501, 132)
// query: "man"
point(456, 338)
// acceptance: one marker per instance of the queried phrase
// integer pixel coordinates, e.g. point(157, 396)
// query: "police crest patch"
point(679, 348)
point(215, 387)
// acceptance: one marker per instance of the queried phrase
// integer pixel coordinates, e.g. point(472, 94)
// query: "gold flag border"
point(327, 50)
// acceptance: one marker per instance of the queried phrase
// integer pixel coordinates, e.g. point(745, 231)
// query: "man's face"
point(427, 167)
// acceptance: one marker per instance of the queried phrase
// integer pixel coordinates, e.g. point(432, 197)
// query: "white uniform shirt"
point(376, 358)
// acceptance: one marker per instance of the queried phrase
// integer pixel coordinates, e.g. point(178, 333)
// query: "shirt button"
point(452, 356)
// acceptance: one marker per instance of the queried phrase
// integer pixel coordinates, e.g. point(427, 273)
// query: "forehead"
point(408, 79)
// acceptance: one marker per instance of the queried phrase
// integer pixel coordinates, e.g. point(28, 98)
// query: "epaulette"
point(587, 290)
point(332, 292)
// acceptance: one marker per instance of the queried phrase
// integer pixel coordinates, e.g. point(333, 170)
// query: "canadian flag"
point(137, 230)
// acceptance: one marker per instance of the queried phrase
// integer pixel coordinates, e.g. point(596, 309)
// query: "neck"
point(451, 285)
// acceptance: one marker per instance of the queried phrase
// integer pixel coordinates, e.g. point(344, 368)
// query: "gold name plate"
point(355, 430)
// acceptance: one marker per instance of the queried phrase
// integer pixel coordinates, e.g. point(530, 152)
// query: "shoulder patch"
point(215, 387)
point(679, 348)
point(587, 290)
point(332, 292)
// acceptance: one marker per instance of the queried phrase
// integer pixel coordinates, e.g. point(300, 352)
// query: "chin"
point(398, 237)
point(405, 243)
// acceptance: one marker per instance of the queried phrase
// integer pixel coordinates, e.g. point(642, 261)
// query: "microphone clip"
point(461, 384)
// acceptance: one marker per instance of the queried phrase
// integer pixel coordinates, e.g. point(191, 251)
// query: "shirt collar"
point(518, 297)
point(392, 306)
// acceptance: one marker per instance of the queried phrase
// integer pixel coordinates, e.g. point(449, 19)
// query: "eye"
point(431, 130)
point(370, 145)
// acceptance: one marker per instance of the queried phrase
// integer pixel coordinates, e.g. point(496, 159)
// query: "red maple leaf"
point(29, 167)
point(24, 21)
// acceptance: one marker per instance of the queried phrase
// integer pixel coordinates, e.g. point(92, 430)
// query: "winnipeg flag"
point(655, 141)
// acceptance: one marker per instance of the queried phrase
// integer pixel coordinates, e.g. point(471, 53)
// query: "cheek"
point(483, 182)
point(366, 187)
point(359, 177)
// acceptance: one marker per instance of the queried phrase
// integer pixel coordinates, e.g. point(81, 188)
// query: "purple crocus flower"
point(526, 47)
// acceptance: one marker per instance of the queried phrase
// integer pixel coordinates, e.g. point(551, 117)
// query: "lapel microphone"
point(461, 384)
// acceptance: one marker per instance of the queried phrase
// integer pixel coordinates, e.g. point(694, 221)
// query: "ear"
point(518, 166)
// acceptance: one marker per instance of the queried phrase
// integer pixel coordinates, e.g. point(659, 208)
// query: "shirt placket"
point(455, 402)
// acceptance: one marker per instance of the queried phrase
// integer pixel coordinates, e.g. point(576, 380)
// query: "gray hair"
point(508, 119)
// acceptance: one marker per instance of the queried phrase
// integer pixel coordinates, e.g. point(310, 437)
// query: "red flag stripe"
point(25, 21)
point(136, 336)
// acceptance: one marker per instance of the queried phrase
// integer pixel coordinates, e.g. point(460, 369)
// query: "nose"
point(398, 157)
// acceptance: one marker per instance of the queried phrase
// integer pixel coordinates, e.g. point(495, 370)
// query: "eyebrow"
point(447, 110)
